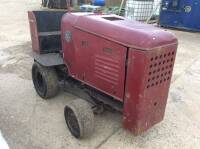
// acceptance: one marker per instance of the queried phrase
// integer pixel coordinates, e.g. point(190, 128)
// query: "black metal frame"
point(49, 27)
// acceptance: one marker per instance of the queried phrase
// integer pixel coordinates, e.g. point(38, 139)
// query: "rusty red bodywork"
point(127, 60)
point(34, 32)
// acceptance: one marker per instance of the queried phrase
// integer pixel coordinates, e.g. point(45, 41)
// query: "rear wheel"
point(79, 118)
point(45, 81)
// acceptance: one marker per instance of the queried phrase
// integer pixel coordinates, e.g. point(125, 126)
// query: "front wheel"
point(79, 118)
point(45, 81)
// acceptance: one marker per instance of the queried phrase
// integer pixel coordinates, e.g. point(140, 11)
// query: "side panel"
point(147, 86)
point(99, 63)
point(34, 32)
point(67, 32)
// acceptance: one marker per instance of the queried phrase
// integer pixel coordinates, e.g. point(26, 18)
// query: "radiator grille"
point(160, 68)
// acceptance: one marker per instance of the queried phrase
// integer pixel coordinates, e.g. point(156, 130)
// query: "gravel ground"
point(28, 122)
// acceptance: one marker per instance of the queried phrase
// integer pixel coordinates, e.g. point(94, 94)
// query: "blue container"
point(182, 14)
point(99, 2)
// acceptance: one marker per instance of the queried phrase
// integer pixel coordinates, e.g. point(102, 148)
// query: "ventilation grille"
point(160, 68)
point(106, 69)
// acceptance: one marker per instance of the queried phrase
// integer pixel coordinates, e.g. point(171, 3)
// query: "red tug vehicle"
point(118, 63)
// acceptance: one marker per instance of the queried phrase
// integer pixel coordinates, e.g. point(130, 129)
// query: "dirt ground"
point(28, 122)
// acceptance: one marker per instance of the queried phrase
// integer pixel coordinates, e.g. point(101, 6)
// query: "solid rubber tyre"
point(79, 118)
point(45, 81)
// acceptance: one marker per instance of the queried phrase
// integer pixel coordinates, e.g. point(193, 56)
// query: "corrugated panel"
point(107, 69)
